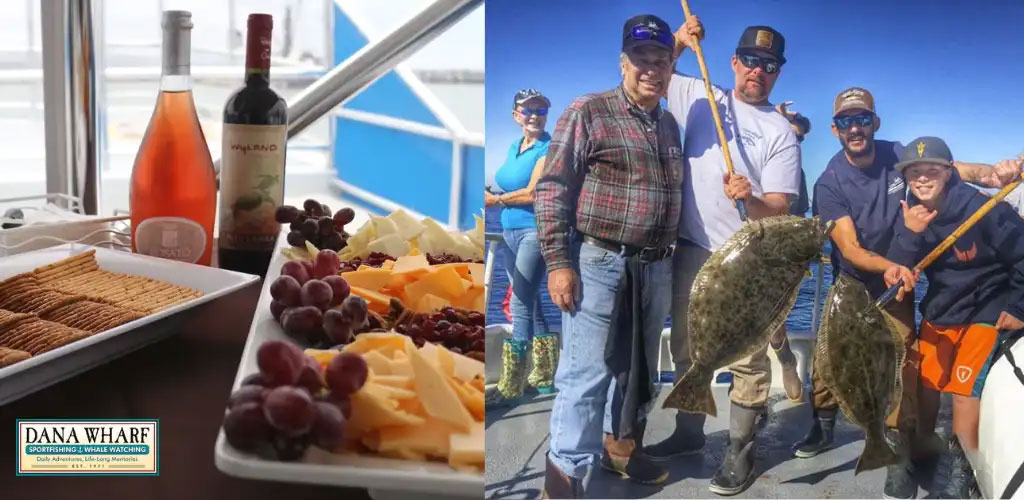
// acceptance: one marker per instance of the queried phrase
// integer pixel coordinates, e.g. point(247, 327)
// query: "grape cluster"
point(458, 330)
point(314, 305)
point(448, 258)
point(315, 224)
point(289, 404)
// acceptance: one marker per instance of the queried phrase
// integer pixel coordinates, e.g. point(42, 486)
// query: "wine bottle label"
point(171, 238)
point(251, 185)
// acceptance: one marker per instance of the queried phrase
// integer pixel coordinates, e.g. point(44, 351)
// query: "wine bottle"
point(252, 160)
point(173, 193)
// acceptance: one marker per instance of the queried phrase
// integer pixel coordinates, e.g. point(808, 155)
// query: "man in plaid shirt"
point(607, 210)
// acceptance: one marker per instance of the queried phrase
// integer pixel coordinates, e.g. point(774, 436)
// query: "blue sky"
point(947, 68)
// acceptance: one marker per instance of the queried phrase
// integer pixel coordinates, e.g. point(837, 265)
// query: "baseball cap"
point(647, 29)
point(853, 98)
point(925, 150)
point(527, 94)
point(762, 41)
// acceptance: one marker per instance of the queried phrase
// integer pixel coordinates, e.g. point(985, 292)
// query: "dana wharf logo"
point(65, 447)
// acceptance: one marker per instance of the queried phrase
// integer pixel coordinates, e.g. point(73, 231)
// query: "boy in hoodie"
point(974, 290)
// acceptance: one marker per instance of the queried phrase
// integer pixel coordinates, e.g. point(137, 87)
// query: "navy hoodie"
point(982, 274)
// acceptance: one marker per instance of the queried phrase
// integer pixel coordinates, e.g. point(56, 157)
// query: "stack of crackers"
point(72, 299)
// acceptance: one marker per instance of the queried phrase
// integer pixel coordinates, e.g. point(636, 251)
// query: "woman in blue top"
point(517, 178)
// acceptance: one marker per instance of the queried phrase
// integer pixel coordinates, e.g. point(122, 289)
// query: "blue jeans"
point(583, 380)
point(525, 267)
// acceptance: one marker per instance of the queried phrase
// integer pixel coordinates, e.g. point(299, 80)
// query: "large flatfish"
point(859, 358)
point(740, 296)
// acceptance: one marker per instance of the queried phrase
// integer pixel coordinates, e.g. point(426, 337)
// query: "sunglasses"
point(770, 66)
point(644, 32)
point(534, 111)
point(862, 120)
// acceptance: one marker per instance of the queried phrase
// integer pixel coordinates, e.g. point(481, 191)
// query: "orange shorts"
point(955, 359)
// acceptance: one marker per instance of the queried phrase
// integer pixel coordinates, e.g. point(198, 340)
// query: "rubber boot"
point(686, 439)
point(791, 382)
point(819, 439)
point(899, 477)
point(737, 469)
point(961, 475)
point(558, 485)
point(625, 458)
point(513, 375)
point(545, 361)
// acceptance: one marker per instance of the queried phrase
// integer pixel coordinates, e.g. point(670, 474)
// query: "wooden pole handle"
point(714, 111)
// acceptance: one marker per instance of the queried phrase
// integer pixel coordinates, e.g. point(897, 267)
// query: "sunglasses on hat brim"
point(644, 32)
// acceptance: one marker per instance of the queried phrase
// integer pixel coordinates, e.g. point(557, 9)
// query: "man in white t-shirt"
point(1016, 197)
point(766, 158)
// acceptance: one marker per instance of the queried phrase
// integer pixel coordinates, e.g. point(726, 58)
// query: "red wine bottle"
point(252, 160)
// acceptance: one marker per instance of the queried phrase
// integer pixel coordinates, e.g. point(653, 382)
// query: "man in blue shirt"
point(861, 191)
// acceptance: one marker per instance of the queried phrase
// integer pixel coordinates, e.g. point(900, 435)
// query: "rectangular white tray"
point(383, 477)
point(38, 372)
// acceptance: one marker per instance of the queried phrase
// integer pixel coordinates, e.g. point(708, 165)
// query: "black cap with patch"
point(925, 150)
point(762, 41)
point(647, 29)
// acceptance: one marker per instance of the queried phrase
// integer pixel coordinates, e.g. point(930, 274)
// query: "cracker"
point(10, 356)
point(71, 266)
point(9, 320)
point(67, 339)
point(23, 333)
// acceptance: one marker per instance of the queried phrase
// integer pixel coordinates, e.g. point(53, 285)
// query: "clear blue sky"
point(948, 68)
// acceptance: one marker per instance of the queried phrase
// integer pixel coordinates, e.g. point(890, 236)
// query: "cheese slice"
point(397, 381)
point(372, 279)
point(476, 271)
point(378, 364)
point(387, 391)
point(465, 368)
point(371, 411)
point(432, 438)
point(407, 226)
point(384, 226)
point(411, 264)
point(403, 367)
point(429, 303)
point(437, 397)
point(471, 399)
point(390, 244)
point(384, 343)
point(388, 264)
point(467, 448)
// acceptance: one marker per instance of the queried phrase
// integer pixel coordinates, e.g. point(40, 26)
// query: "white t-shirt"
point(768, 154)
point(1016, 199)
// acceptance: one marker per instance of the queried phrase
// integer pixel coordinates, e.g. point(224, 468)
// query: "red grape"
point(301, 321)
point(280, 362)
point(344, 216)
point(289, 448)
point(317, 293)
point(342, 402)
point(419, 341)
point(254, 379)
point(312, 207)
point(285, 214)
point(289, 409)
point(337, 327)
point(245, 394)
point(277, 309)
point(326, 264)
point(296, 270)
point(354, 308)
point(346, 373)
point(245, 426)
point(340, 288)
point(310, 377)
point(476, 318)
point(329, 427)
point(286, 289)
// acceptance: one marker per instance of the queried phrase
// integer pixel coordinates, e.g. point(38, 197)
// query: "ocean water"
point(799, 318)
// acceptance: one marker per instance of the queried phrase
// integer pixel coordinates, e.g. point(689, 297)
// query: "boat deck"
point(517, 439)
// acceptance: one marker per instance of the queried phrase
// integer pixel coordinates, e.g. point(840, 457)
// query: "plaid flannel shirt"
point(613, 171)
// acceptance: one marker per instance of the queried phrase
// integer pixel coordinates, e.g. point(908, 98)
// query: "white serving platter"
point(385, 478)
point(38, 372)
